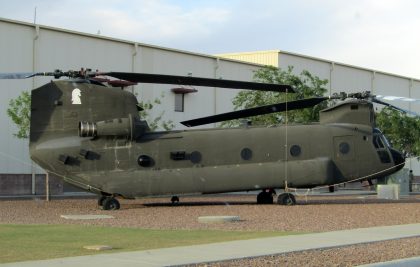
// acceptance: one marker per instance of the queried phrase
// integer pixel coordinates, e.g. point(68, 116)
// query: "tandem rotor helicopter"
point(91, 135)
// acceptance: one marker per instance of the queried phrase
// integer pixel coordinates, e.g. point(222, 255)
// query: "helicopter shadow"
point(355, 201)
point(299, 202)
point(189, 204)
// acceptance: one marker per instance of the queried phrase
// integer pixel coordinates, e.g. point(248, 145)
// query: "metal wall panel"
point(350, 80)
point(415, 93)
point(390, 85)
point(25, 48)
point(318, 68)
point(16, 47)
point(207, 101)
point(269, 57)
point(231, 71)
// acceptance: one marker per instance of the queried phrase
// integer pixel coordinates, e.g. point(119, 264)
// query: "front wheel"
point(286, 199)
point(111, 203)
point(101, 201)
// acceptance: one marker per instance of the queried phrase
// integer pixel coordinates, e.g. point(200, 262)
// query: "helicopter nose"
point(399, 159)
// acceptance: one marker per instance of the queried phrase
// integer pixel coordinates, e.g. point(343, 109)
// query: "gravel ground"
point(346, 256)
point(312, 214)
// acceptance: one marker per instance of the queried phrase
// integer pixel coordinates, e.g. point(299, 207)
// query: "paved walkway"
point(234, 249)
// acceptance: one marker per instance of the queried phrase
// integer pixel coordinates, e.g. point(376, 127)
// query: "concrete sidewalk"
point(234, 249)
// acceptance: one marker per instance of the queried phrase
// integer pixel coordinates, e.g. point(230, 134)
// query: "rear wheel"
point(111, 203)
point(286, 199)
point(175, 199)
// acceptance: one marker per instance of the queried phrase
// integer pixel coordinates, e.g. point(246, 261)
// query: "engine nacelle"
point(114, 127)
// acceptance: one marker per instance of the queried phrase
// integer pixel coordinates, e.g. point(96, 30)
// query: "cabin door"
point(345, 156)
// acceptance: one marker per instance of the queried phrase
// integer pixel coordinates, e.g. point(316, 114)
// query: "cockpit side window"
point(377, 142)
point(385, 140)
point(381, 144)
point(384, 156)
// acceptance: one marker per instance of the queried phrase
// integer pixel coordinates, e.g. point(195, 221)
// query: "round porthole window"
point(246, 154)
point(145, 161)
point(195, 157)
point(295, 150)
point(344, 148)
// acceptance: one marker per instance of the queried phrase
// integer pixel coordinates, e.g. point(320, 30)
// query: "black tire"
point(264, 198)
point(331, 189)
point(111, 203)
point(286, 199)
point(101, 201)
point(175, 199)
point(260, 198)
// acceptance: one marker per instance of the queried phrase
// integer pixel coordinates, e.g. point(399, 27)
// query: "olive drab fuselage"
point(93, 137)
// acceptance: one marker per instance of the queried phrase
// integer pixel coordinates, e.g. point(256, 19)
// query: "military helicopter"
point(91, 135)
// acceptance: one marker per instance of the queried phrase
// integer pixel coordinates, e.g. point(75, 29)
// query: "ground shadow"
point(301, 201)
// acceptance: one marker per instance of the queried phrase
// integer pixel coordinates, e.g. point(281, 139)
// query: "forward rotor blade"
point(279, 107)
point(395, 107)
point(185, 80)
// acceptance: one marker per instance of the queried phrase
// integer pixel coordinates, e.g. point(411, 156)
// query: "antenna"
point(35, 15)
point(286, 146)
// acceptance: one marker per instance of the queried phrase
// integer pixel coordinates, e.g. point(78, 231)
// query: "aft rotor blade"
point(279, 107)
point(397, 98)
point(25, 75)
point(16, 75)
point(394, 107)
point(186, 80)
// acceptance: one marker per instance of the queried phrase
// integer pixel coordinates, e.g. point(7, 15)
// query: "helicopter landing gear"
point(108, 203)
point(101, 201)
point(286, 199)
point(266, 196)
point(175, 200)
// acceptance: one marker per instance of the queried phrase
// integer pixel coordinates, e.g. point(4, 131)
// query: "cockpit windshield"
point(381, 144)
point(387, 143)
point(379, 140)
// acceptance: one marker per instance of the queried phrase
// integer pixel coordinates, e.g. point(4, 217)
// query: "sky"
point(377, 34)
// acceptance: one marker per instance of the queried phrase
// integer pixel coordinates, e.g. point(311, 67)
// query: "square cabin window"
point(179, 102)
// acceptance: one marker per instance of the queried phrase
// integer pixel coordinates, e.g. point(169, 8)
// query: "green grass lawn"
point(35, 242)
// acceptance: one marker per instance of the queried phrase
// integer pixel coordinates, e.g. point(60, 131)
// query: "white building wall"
point(347, 78)
point(269, 57)
point(315, 67)
point(415, 89)
point(227, 70)
point(16, 55)
point(350, 80)
point(176, 63)
point(28, 48)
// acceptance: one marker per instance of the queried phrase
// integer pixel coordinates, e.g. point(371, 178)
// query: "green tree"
point(401, 130)
point(157, 122)
point(20, 112)
point(306, 85)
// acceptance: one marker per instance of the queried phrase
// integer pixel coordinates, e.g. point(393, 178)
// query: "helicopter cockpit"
point(382, 147)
